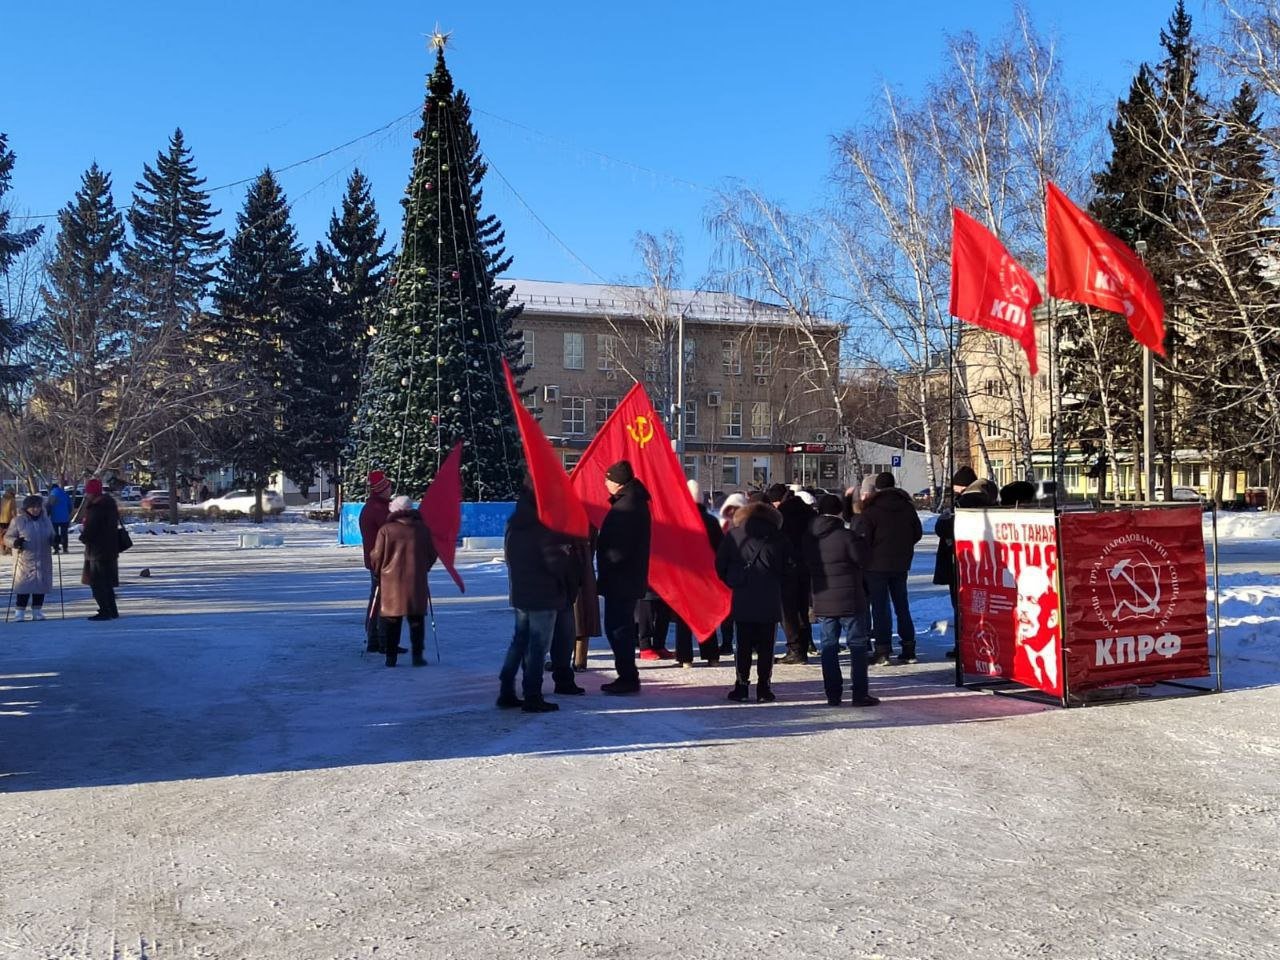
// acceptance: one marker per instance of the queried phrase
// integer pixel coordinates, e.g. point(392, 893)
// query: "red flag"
point(682, 567)
point(441, 510)
point(988, 287)
point(1089, 265)
point(558, 506)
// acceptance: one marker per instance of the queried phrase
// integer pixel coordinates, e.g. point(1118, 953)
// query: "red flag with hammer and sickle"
point(682, 566)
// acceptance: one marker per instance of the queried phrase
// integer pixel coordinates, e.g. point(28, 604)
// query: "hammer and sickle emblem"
point(641, 431)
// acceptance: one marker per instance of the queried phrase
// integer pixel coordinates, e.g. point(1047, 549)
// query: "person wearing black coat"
point(892, 528)
point(944, 562)
point(753, 560)
point(101, 538)
point(796, 517)
point(543, 585)
point(833, 556)
point(622, 569)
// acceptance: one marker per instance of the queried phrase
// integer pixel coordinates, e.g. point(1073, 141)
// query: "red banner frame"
point(1135, 597)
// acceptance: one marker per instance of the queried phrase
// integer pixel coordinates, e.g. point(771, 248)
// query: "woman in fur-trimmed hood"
point(753, 560)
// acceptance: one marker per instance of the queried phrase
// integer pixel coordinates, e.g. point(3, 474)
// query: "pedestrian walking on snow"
point(542, 568)
point(31, 538)
point(834, 557)
point(401, 558)
point(754, 560)
point(622, 569)
point(372, 517)
point(59, 508)
point(891, 526)
point(101, 538)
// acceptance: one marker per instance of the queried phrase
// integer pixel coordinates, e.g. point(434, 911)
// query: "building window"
point(760, 471)
point(1043, 425)
point(997, 388)
point(606, 351)
point(652, 355)
point(604, 409)
point(573, 416)
point(690, 353)
point(761, 428)
point(1042, 381)
point(763, 364)
point(691, 467)
point(690, 418)
point(992, 430)
point(729, 468)
point(575, 351)
point(732, 423)
point(731, 356)
point(571, 460)
point(529, 351)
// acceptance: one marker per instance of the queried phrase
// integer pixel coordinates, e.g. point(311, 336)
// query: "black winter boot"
point(739, 693)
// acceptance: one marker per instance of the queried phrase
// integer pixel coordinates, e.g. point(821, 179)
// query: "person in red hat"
point(373, 516)
point(101, 548)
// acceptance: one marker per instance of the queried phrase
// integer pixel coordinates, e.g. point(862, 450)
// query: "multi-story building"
point(752, 387)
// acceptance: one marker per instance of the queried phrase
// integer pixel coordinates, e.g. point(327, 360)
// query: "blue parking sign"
point(896, 460)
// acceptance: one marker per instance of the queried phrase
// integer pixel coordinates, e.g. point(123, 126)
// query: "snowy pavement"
point(222, 773)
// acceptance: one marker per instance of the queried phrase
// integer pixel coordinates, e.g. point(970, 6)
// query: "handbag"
point(123, 540)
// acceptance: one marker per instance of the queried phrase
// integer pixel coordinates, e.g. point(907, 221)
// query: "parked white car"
point(241, 501)
point(129, 493)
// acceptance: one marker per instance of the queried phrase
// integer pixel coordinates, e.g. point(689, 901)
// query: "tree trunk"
point(172, 476)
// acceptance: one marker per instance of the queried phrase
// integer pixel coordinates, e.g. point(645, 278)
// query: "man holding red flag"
point(622, 564)
point(988, 287)
point(1089, 265)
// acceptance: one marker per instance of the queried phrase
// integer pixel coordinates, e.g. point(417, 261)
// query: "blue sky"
point(602, 119)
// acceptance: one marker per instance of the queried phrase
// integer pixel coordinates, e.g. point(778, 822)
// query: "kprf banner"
point(1007, 585)
point(1135, 597)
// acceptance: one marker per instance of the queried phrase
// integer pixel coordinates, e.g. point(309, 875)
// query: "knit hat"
point(695, 491)
point(620, 472)
point(33, 500)
point(963, 477)
point(776, 493)
point(379, 485)
point(885, 480)
point(92, 487)
point(401, 503)
point(868, 486)
point(1019, 491)
point(830, 505)
point(734, 501)
point(807, 497)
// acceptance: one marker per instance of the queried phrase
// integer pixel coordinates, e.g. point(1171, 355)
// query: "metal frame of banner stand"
point(1001, 686)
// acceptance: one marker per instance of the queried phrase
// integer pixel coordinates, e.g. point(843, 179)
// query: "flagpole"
point(1057, 453)
point(1148, 407)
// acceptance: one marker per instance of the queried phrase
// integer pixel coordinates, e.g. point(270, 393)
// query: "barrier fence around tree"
point(1085, 606)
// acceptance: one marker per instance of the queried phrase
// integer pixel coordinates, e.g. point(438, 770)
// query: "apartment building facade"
point(755, 407)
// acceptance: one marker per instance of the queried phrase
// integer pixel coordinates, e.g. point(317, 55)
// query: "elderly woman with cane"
point(30, 536)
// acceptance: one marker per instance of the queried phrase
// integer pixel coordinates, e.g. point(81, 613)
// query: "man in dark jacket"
point(544, 583)
point(372, 517)
point(833, 556)
point(101, 541)
point(891, 526)
point(622, 569)
point(754, 560)
point(796, 517)
point(944, 563)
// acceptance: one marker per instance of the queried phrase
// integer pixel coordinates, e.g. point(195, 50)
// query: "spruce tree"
point(353, 266)
point(83, 332)
point(170, 263)
point(261, 303)
point(12, 243)
point(435, 364)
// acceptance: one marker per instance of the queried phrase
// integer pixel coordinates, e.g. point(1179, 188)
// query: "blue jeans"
point(534, 629)
point(885, 588)
point(854, 629)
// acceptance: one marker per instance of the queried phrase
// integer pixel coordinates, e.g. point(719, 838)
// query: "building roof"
point(622, 300)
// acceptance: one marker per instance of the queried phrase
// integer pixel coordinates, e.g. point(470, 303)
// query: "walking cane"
point(369, 615)
point(431, 608)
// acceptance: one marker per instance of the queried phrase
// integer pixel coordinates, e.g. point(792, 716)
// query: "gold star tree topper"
point(439, 39)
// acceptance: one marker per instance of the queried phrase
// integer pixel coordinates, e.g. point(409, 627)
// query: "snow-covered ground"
point(223, 773)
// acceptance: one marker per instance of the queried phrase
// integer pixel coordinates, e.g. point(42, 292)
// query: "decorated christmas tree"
point(434, 371)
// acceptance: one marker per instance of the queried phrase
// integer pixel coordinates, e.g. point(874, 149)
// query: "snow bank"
point(1244, 526)
point(928, 521)
point(157, 529)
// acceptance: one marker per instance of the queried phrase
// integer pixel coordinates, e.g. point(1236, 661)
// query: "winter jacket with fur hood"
point(753, 560)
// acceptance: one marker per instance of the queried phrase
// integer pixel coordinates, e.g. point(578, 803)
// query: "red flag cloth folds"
point(988, 287)
point(1089, 265)
point(441, 510)
point(682, 566)
point(558, 506)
